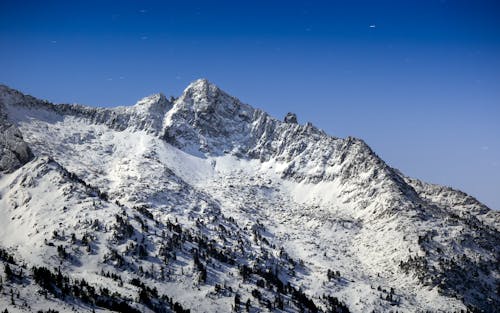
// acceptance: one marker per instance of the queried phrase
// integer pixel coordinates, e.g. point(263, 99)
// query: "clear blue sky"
point(422, 86)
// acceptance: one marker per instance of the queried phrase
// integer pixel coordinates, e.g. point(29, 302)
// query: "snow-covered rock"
point(212, 203)
point(291, 118)
point(14, 152)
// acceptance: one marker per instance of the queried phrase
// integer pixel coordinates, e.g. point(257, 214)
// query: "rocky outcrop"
point(14, 151)
point(290, 118)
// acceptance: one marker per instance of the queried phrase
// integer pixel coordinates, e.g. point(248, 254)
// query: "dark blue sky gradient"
point(422, 87)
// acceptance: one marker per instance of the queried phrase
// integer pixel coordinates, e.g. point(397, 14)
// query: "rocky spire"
point(291, 118)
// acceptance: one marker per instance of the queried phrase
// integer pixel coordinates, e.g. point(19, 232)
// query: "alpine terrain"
point(202, 203)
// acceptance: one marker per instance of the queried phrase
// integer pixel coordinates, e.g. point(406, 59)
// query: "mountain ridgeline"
point(203, 203)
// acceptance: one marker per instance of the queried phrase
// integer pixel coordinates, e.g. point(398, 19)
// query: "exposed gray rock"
point(391, 228)
point(291, 118)
point(14, 151)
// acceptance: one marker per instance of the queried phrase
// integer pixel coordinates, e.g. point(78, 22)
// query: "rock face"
point(14, 152)
point(291, 118)
point(203, 202)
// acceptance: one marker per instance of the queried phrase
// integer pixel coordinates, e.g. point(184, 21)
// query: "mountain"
point(204, 203)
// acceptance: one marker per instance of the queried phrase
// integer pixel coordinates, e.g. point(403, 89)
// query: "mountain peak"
point(157, 102)
point(154, 98)
point(200, 83)
point(203, 99)
point(202, 90)
point(206, 116)
point(233, 191)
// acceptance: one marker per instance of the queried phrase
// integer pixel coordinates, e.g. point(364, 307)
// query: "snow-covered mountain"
point(207, 204)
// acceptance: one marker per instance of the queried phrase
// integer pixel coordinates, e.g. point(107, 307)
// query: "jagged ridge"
point(206, 155)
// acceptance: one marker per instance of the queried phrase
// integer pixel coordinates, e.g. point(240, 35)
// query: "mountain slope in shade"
point(208, 204)
point(14, 152)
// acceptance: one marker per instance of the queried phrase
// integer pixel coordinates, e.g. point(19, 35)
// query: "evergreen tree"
point(237, 301)
point(8, 272)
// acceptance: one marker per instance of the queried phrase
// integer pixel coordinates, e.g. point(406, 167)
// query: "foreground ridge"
point(203, 203)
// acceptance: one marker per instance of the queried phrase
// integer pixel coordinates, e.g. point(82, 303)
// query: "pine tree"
point(8, 272)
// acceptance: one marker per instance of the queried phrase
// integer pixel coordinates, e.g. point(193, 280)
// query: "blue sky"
point(422, 87)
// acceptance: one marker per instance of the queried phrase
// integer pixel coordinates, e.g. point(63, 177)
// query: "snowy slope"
point(213, 203)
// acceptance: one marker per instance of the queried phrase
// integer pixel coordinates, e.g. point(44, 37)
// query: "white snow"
point(326, 201)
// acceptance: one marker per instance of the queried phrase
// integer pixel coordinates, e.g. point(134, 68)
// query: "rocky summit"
point(203, 203)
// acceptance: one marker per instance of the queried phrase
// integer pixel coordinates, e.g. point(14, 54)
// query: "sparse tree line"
point(269, 273)
point(464, 277)
point(61, 286)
